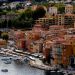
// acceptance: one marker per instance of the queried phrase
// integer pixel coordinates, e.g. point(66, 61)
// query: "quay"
point(34, 60)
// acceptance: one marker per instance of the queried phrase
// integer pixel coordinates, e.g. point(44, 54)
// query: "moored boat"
point(4, 70)
point(39, 64)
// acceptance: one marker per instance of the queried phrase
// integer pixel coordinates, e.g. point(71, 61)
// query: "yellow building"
point(69, 9)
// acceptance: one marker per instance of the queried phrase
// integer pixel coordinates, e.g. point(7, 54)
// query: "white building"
point(13, 4)
point(53, 10)
point(68, 0)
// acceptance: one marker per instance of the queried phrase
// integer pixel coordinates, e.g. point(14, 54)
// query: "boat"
point(4, 70)
point(39, 64)
point(18, 61)
point(7, 62)
point(4, 59)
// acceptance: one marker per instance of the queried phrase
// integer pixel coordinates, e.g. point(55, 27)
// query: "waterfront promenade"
point(13, 68)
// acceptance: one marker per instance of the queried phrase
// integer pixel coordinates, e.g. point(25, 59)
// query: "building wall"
point(69, 9)
point(21, 44)
point(3, 43)
point(60, 19)
point(53, 10)
point(57, 53)
point(69, 20)
point(67, 52)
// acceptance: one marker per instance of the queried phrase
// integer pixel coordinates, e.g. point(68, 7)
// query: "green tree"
point(0, 33)
point(18, 6)
point(5, 36)
point(39, 12)
point(26, 14)
point(61, 10)
point(25, 20)
point(46, 4)
point(60, 7)
point(4, 24)
point(9, 23)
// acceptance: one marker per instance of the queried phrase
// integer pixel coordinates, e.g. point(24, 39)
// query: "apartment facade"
point(69, 9)
point(53, 10)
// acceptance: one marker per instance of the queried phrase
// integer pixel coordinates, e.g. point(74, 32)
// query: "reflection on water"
point(22, 69)
point(53, 73)
point(47, 72)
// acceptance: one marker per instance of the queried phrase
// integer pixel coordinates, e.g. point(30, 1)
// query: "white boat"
point(35, 62)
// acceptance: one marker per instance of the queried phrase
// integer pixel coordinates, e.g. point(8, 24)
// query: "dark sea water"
point(22, 69)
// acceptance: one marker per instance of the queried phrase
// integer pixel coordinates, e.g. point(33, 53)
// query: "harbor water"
point(21, 69)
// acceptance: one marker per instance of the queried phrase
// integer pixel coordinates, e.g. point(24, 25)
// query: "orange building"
point(21, 44)
point(46, 53)
point(19, 34)
point(2, 43)
point(67, 53)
